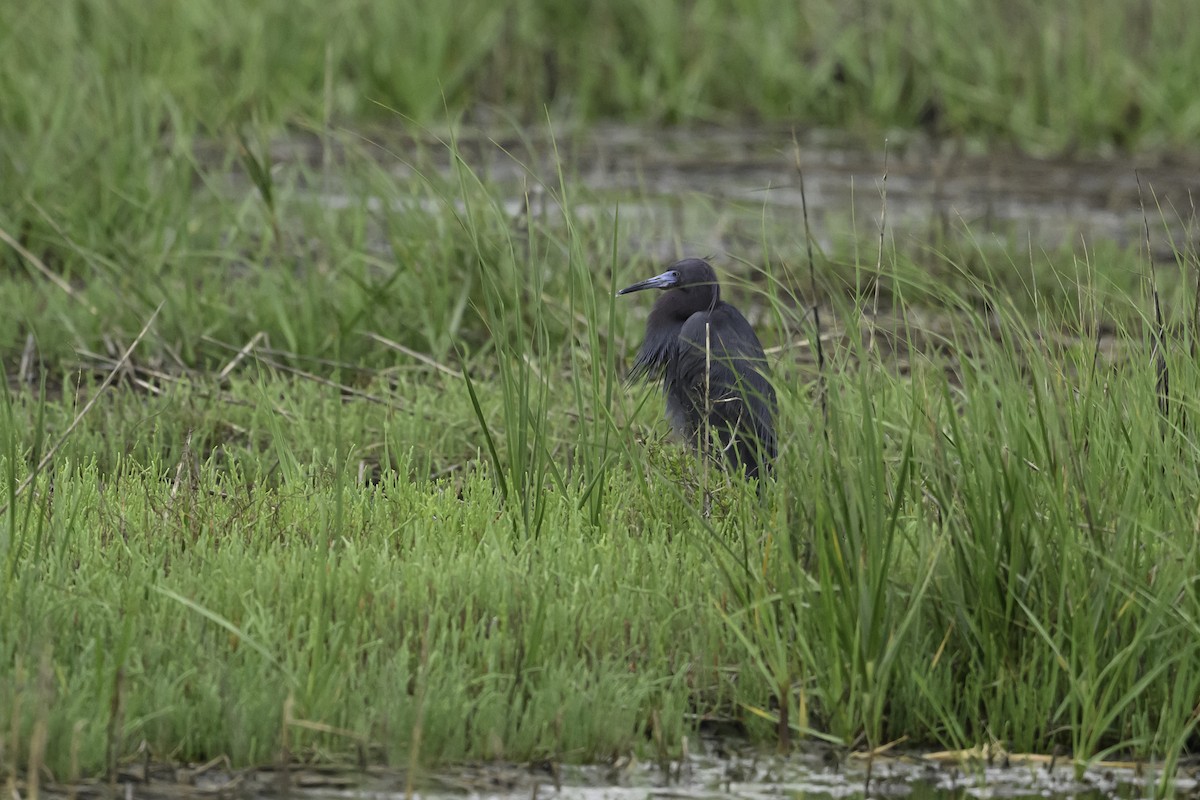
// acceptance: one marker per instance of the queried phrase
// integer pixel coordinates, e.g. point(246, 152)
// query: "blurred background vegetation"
point(1072, 74)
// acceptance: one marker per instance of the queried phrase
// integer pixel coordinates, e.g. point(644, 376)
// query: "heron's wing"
point(657, 350)
point(739, 398)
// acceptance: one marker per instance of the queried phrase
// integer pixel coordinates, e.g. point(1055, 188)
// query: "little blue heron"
point(711, 365)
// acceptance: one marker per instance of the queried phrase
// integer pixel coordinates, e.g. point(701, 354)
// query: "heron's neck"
point(677, 306)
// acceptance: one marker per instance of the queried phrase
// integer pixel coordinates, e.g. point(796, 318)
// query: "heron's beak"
point(667, 280)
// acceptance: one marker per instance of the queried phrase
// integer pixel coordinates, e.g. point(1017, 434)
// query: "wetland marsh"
point(317, 453)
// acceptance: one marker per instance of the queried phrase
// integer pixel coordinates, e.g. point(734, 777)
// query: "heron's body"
point(711, 364)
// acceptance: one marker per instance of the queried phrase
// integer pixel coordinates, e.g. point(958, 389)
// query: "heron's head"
point(693, 282)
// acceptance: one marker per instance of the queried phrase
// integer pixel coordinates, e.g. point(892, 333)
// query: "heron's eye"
point(674, 275)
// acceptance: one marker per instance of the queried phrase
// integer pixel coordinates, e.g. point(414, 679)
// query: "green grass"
point(329, 550)
point(1062, 76)
point(276, 536)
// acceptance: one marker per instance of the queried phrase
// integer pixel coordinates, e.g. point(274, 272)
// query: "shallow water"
point(751, 777)
point(925, 181)
point(723, 768)
point(709, 190)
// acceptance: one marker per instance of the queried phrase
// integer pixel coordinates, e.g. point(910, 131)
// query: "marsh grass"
point(1076, 74)
point(275, 538)
point(317, 550)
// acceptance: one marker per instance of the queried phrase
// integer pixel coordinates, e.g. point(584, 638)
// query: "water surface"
point(709, 190)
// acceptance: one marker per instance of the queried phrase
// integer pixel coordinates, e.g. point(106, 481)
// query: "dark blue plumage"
point(740, 400)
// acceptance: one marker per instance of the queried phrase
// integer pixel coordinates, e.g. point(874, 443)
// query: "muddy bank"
point(722, 769)
point(697, 187)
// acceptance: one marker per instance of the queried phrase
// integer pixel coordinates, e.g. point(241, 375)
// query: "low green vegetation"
point(1078, 73)
point(318, 447)
point(274, 535)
